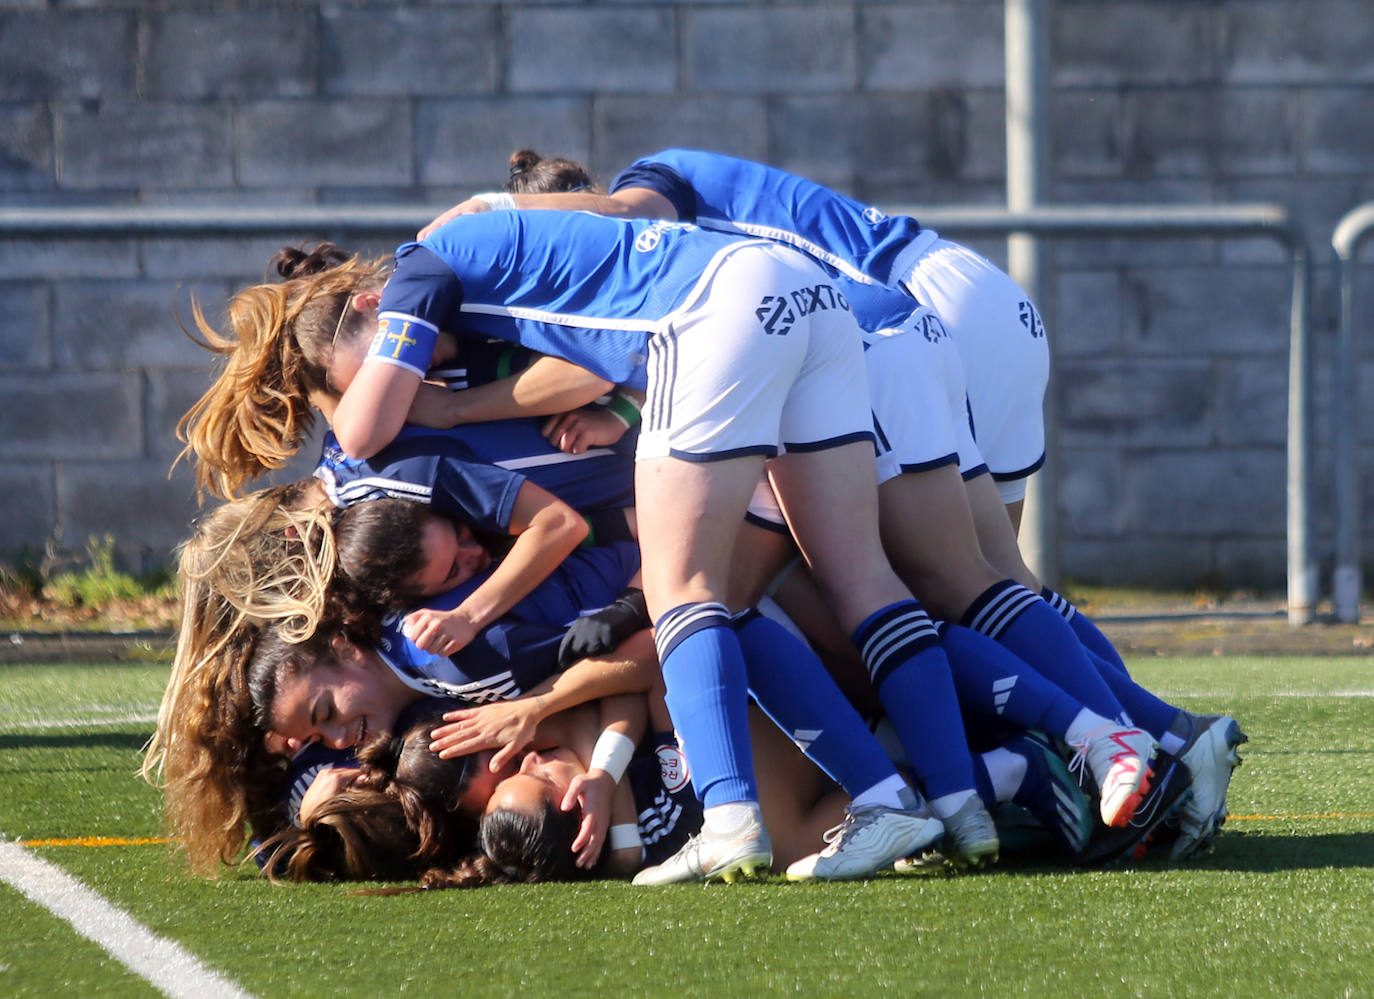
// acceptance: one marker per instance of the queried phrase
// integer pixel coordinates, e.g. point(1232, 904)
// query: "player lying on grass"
point(1021, 698)
point(407, 813)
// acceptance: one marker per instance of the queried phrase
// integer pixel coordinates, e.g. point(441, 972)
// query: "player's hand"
point(470, 207)
point(440, 632)
point(327, 783)
point(602, 631)
point(593, 792)
point(590, 426)
point(506, 726)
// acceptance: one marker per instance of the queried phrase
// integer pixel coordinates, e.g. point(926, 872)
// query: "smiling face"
point(452, 556)
point(339, 701)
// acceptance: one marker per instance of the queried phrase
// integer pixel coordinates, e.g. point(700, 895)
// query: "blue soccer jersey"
point(858, 244)
point(740, 196)
point(521, 649)
point(667, 811)
point(474, 471)
point(588, 289)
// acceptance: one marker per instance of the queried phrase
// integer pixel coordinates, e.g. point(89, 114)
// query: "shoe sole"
point(1126, 810)
point(748, 869)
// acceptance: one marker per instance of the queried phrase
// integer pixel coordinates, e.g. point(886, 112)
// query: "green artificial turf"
point(1280, 908)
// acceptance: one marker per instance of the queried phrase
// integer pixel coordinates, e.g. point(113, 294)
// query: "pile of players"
point(667, 532)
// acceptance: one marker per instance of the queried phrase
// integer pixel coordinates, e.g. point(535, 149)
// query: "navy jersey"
point(480, 362)
point(589, 289)
point(474, 471)
point(857, 244)
point(520, 650)
point(667, 811)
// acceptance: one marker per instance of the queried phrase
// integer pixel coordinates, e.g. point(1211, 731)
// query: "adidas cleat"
point(1050, 793)
point(1210, 757)
point(869, 840)
point(744, 853)
point(971, 836)
point(1119, 760)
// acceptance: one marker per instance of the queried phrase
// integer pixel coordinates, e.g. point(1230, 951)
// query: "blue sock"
point(792, 687)
point(1088, 633)
point(991, 679)
point(911, 675)
point(1146, 710)
point(1030, 627)
point(708, 700)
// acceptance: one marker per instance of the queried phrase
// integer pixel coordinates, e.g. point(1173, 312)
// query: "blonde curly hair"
point(264, 561)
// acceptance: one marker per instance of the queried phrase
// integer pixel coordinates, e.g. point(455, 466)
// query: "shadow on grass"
point(83, 740)
point(1266, 853)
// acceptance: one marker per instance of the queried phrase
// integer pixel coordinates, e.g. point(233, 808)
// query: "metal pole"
point(1347, 574)
point(1302, 570)
point(1028, 116)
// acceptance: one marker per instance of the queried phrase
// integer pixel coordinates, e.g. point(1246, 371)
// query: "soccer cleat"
point(1210, 757)
point(1119, 759)
point(869, 840)
point(1050, 792)
point(746, 852)
point(971, 836)
point(1158, 810)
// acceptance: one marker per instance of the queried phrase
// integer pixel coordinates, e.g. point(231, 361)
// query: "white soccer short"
point(1001, 340)
point(763, 357)
point(920, 413)
point(920, 407)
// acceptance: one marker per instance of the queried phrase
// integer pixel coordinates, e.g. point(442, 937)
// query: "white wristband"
point(497, 201)
point(612, 754)
point(623, 836)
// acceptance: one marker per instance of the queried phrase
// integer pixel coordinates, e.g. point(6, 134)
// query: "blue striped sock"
point(991, 679)
point(909, 670)
point(708, 700)
point(1011, 614)
point(1088, 633)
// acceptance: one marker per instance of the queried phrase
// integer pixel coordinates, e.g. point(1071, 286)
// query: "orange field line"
point(1316, 815)
point(97, 841)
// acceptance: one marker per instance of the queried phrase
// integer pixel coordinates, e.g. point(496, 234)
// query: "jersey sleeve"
point(509, 657)
point(460, 484)
point(662, 180)
point(423, 286)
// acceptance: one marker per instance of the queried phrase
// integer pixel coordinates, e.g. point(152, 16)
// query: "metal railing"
point(1233, 221)
point(1346, 578)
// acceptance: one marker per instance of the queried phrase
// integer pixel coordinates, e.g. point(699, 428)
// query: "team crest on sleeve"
point(932, 329)
point(873, 215)
point(672, 768)
point(1031, 320)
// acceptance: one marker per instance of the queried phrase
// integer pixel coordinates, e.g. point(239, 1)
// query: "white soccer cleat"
point(970, 841)
point(971, 836)
point(1210, 756)
point(1119, 759)
point(744, 852)
point(869, 839)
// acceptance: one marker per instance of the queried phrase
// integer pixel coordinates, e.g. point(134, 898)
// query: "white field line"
point(171, 969)
point(99, 716)
point(1168, 692)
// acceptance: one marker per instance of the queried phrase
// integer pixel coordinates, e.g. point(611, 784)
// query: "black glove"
point(601, 631)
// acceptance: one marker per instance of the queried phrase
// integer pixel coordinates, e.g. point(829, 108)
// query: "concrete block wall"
point(1172, 354)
